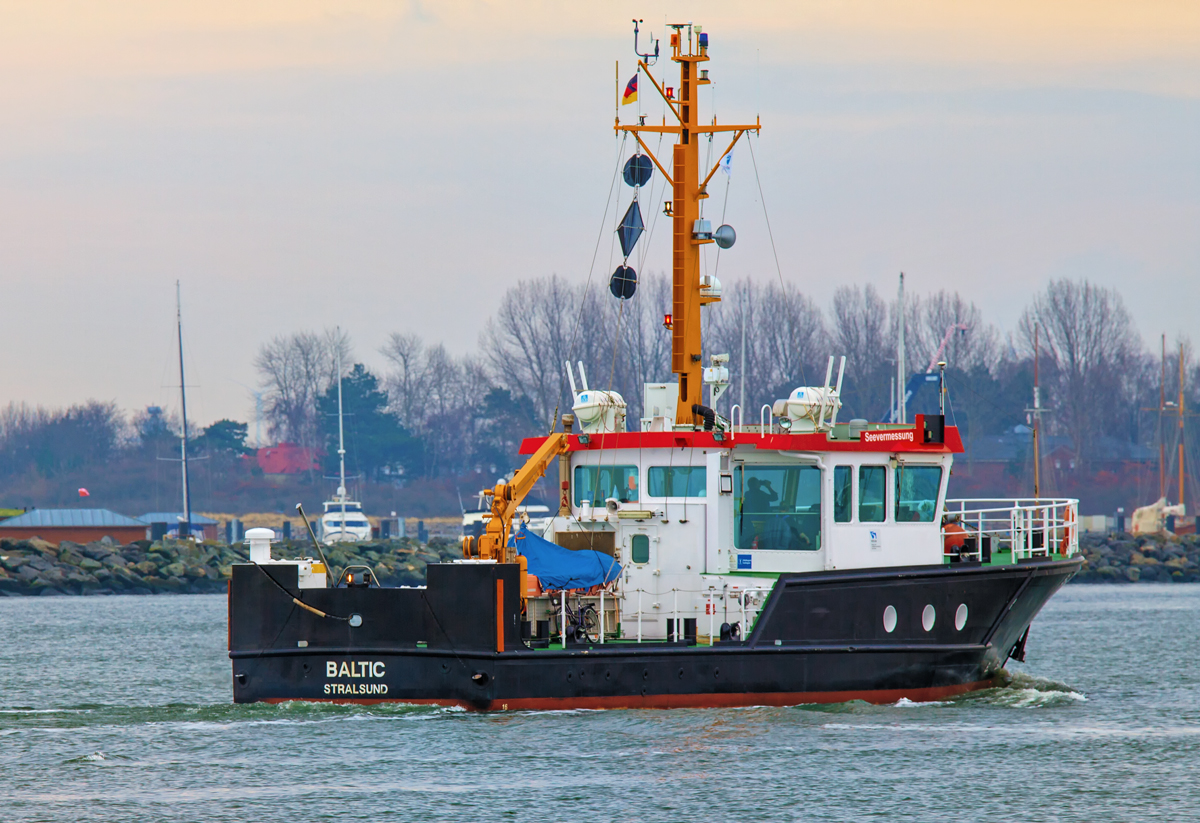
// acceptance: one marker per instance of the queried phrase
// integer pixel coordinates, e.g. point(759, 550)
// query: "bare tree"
point(295, 370)
point(863, 329)
point(1094, 357)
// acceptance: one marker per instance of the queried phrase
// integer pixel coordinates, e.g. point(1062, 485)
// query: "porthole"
point(960, 616)
point(928, 618)
point(889, 619)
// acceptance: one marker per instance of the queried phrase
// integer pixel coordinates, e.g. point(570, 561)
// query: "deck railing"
point(1026, 527)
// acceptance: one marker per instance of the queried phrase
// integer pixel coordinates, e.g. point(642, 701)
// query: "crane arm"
point(506, 497)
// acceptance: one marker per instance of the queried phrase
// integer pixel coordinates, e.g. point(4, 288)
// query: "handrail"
point(1020, 522)
point(762, 421)
point(741, 418)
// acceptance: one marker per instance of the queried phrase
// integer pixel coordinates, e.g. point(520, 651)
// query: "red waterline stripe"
point(676, 701)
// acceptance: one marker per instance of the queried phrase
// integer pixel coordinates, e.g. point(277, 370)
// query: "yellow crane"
point(506, 497)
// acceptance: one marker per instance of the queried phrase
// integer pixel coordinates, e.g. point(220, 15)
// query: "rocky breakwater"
point(1122, 558)
point(37, 567)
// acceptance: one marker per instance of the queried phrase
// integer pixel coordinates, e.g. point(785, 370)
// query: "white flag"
point(727, 165)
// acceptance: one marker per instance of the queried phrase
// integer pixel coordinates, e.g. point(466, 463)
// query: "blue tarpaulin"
point(559, 568)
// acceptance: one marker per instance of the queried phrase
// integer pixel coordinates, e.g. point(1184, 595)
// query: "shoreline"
point(36, 567)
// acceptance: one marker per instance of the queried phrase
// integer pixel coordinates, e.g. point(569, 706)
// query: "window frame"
point(937, 500)
point(859, 493)
point(739, 475)
point(700, 470)
point(633, 550)
point(850, 493)
point(596, 468)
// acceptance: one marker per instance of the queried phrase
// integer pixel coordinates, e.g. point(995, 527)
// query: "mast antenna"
point(689, 185)
point(647, 58)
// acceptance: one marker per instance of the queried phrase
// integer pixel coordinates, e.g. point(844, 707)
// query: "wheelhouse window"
point(676, 481)
point(842, 484)
point(872, 493)
point(917, 490)
point(595, 484)
point(778, 507)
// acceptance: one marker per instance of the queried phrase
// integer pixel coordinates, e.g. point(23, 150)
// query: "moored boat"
point(695, 561)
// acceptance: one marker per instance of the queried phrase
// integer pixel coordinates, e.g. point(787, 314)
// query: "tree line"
point(431, 413)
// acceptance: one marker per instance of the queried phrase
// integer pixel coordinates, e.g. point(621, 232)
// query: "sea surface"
point(118, 708)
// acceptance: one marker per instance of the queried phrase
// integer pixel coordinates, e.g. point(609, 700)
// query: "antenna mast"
point(185, 527)
point(689, 48)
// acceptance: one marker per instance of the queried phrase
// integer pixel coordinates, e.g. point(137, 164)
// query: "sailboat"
point(343, 520)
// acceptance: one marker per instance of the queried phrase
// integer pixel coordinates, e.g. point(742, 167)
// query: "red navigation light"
point(667, 321)
point(670, 92)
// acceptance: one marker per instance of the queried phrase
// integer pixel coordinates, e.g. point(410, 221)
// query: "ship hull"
point(821, 638)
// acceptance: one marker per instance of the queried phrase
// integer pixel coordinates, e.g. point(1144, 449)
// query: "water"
point(118, 709)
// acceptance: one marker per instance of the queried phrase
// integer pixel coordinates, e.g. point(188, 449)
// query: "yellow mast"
point(689, 48)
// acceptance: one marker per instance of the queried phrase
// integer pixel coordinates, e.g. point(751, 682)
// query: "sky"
point(396, 166)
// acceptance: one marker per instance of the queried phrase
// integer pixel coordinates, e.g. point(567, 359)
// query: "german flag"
point(630, 94)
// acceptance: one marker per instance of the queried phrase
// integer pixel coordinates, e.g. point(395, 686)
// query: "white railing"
point(748, 601)
point(1029, 527)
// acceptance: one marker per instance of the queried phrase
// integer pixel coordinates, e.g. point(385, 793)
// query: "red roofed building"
point(286, 458)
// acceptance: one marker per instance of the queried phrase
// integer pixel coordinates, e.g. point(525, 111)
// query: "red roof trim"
point(815, 442)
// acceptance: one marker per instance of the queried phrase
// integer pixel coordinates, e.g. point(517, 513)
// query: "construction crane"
point(506, 497)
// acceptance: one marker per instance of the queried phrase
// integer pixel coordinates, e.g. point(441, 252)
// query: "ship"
point(694, 560)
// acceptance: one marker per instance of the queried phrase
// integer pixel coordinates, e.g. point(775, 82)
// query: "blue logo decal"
point(743, 561)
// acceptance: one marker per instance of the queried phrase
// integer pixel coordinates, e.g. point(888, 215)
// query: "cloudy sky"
point(395, 166)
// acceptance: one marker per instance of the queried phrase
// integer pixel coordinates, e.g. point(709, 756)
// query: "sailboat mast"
point(1037, 417)
point(901, 367)
point(1162, 404)
point(341, 439)
point(185, 528)
point(1181, 415)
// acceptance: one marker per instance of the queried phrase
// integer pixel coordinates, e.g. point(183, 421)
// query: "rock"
point(28, 573)
point(1142, 560)
point(42, 545)
point(146, 567)
point(175, 570)
point(97, 551)
point(1133, 573)
point(197, 572)
point(107, 540)
point(70, 557)
point(13, 562)
point(115, 561)
point(88, 564)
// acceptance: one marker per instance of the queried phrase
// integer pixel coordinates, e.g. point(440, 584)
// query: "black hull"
point(820, 639)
